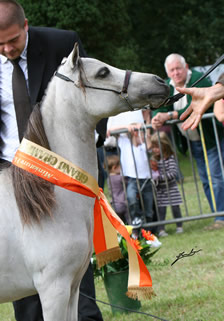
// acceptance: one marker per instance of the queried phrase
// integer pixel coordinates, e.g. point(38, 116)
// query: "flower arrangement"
point(143, 244)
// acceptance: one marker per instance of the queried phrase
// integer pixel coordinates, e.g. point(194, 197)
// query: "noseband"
point(123, 93)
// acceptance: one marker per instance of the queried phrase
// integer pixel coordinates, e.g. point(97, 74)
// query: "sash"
point(55, 169)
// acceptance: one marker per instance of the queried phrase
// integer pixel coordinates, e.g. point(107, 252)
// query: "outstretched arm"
point(202, 99)
point(219, 110)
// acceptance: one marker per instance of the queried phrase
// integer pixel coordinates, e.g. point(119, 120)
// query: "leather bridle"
point(123, 93)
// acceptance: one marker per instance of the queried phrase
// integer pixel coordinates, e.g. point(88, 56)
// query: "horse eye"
point(103, 72)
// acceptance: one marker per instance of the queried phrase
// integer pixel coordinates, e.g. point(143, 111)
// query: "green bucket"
point(116, 287)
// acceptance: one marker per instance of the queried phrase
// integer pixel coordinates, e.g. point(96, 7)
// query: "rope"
point(207, 166)
point(122, 308)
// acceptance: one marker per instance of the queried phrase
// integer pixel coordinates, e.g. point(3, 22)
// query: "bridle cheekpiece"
point(123, 93)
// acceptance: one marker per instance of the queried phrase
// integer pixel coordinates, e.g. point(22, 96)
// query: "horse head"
point(109, 90)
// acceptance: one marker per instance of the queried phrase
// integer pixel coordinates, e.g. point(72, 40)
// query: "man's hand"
point(159, 120)
point(132, 128)
point(202, 99)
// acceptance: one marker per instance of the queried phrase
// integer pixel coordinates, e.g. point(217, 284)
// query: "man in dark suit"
point(41, 51)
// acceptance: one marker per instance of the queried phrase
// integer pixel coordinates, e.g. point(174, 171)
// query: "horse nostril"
point(160, 80)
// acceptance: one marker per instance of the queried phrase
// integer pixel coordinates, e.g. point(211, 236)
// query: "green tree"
point(103, 26)
point(189, 27)
point(138, 34)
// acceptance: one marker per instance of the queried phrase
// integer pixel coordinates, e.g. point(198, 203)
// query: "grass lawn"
point(190, 290)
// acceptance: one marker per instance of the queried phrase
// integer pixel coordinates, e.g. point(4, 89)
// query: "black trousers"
point(29, 309)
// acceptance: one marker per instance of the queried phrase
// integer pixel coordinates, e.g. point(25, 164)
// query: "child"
point(116, 184)
point(167, 164)
point(135, 165)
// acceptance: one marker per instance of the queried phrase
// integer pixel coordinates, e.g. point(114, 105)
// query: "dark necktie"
point(21, 97)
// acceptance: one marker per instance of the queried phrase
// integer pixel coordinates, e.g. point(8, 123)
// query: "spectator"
point(180, 75)
point(166, 170)
point(137, 167)
point(41, 51)
point(119, 202)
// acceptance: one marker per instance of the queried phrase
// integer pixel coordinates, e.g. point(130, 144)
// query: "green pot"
point(116, 287)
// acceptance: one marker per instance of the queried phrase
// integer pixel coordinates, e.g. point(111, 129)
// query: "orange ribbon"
point(55, 169)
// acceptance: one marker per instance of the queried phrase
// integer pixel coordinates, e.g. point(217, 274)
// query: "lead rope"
point(121, 308)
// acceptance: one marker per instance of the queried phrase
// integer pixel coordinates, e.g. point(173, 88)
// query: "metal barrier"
point(201, 209)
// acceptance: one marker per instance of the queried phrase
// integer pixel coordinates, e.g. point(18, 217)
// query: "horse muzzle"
point(156, 93)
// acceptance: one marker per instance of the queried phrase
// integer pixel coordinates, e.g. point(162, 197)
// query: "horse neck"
point(73, 139)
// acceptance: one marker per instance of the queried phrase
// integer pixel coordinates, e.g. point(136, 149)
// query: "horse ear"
point(75, 55)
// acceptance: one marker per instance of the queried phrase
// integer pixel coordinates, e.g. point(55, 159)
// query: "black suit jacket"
point(46, 49)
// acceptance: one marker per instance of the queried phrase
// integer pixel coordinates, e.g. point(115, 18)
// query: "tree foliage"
point(138, 34)
point(103, 26)
point(188, 27)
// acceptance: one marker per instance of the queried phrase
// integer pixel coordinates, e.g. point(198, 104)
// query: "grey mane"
point(34, 196)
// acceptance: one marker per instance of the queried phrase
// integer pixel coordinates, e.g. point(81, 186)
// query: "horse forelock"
point(34, 196)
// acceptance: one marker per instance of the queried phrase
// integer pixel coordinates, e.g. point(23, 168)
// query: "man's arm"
point(219, 110)
point(161, 118)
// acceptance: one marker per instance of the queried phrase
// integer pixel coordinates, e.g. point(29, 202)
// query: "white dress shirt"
point(9, 129)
